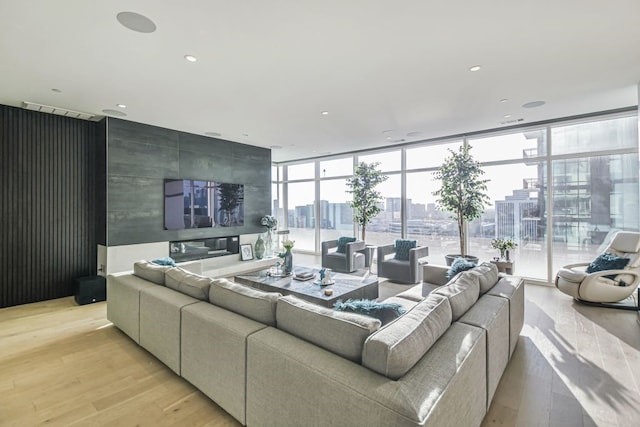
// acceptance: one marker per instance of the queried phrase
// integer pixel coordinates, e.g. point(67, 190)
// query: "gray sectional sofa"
point(270, 360)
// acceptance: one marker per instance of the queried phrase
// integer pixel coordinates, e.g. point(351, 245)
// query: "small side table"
point(369, 252)
point(504, 266)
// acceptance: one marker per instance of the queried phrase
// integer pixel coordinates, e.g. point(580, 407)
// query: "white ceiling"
point(266, 69)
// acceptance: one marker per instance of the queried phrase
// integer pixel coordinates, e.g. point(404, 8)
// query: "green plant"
point(366, 200)
point(503, 244)
point(463, 192)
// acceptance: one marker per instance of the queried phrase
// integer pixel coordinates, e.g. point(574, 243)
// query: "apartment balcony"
point(529, 153)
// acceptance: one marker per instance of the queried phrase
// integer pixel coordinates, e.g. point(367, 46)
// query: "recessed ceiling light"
point(213, 134)
point(114, 113)
point(245, 134)
point(475, 68)
point(190, 58)
point(275, 147)
point(533, 104)
point(324, 113)
point(56, 90)
point(136, 22)
point(121, 106)
point(504, 100)
point(506, 116)
point(417, 133)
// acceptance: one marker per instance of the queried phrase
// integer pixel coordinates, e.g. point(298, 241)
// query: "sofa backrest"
point(188, 283)
point(339, 332)
point(150, 271)
point(487, 273)
point(462, 291)
point(394, 349)
point(252, 303)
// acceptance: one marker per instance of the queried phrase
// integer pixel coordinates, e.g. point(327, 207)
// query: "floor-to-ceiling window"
point(425, 223)
point(594, 176)
point(558, 190)
point(336, 215)
point(301, 204)
point(387, 225)
point(513, 163)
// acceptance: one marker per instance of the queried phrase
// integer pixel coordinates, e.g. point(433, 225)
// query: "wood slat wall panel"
point(47, 204)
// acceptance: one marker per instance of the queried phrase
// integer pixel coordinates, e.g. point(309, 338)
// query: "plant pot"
point(450, 258)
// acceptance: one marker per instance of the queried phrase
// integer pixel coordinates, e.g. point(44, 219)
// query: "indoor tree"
point(366, 199)
point(463, 192)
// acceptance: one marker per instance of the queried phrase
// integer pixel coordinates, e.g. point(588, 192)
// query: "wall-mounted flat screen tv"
point(192, 203)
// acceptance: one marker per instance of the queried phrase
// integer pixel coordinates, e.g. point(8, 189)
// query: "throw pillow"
point(403, 247)
point(342, 244)
point(458, 265)
point(607, 261)
point(386, 312)
point(164, 261)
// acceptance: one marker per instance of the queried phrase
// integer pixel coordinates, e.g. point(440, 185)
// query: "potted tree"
point(463, 192)
point(366, 200)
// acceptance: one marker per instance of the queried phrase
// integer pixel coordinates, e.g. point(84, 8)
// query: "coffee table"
point(346, 286)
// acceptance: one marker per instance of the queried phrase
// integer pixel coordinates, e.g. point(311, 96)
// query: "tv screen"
point(191, 203)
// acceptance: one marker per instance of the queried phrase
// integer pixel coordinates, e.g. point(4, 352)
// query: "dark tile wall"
point(140, 157)
point(47, 204)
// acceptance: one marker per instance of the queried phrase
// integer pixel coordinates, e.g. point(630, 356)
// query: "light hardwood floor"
point(63, 364)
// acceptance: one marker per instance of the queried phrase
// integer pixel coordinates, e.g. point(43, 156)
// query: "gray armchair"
point(347, 262)
point(398, 270)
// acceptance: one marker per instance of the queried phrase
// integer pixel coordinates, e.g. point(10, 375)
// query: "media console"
point(210, 247)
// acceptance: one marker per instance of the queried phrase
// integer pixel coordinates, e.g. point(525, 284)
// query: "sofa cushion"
point(463, 291)
point(459, 265)
point(403, 247)
point(385, 311)
point(342, 244)
point(341, 333)
point(188, 283)
point(394, 349)
point(150, 271)
point(252, 303)
point(487, 276)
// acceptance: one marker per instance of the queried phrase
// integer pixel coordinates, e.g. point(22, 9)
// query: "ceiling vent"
point(57, 110)
point(512, 122)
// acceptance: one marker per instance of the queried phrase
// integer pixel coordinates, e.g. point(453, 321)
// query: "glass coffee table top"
point(346, 286)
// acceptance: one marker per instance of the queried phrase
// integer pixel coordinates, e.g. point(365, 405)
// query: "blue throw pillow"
point(403, 247)
point(607, 261)
point(342, 244)
point(458, 265)
point(164, 261)
point(386, 312)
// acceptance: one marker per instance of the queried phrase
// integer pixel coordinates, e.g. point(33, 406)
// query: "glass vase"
point(268, 243)
point(259, 248)
point(288, 262)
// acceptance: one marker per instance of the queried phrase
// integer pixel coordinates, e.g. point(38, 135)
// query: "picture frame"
point(246, 252)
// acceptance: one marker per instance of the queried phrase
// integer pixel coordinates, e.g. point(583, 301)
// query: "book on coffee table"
point(303, 275)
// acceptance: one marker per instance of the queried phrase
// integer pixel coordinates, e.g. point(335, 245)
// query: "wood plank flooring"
point(63, 364)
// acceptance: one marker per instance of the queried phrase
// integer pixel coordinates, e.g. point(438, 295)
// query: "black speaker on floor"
point(90, 289)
